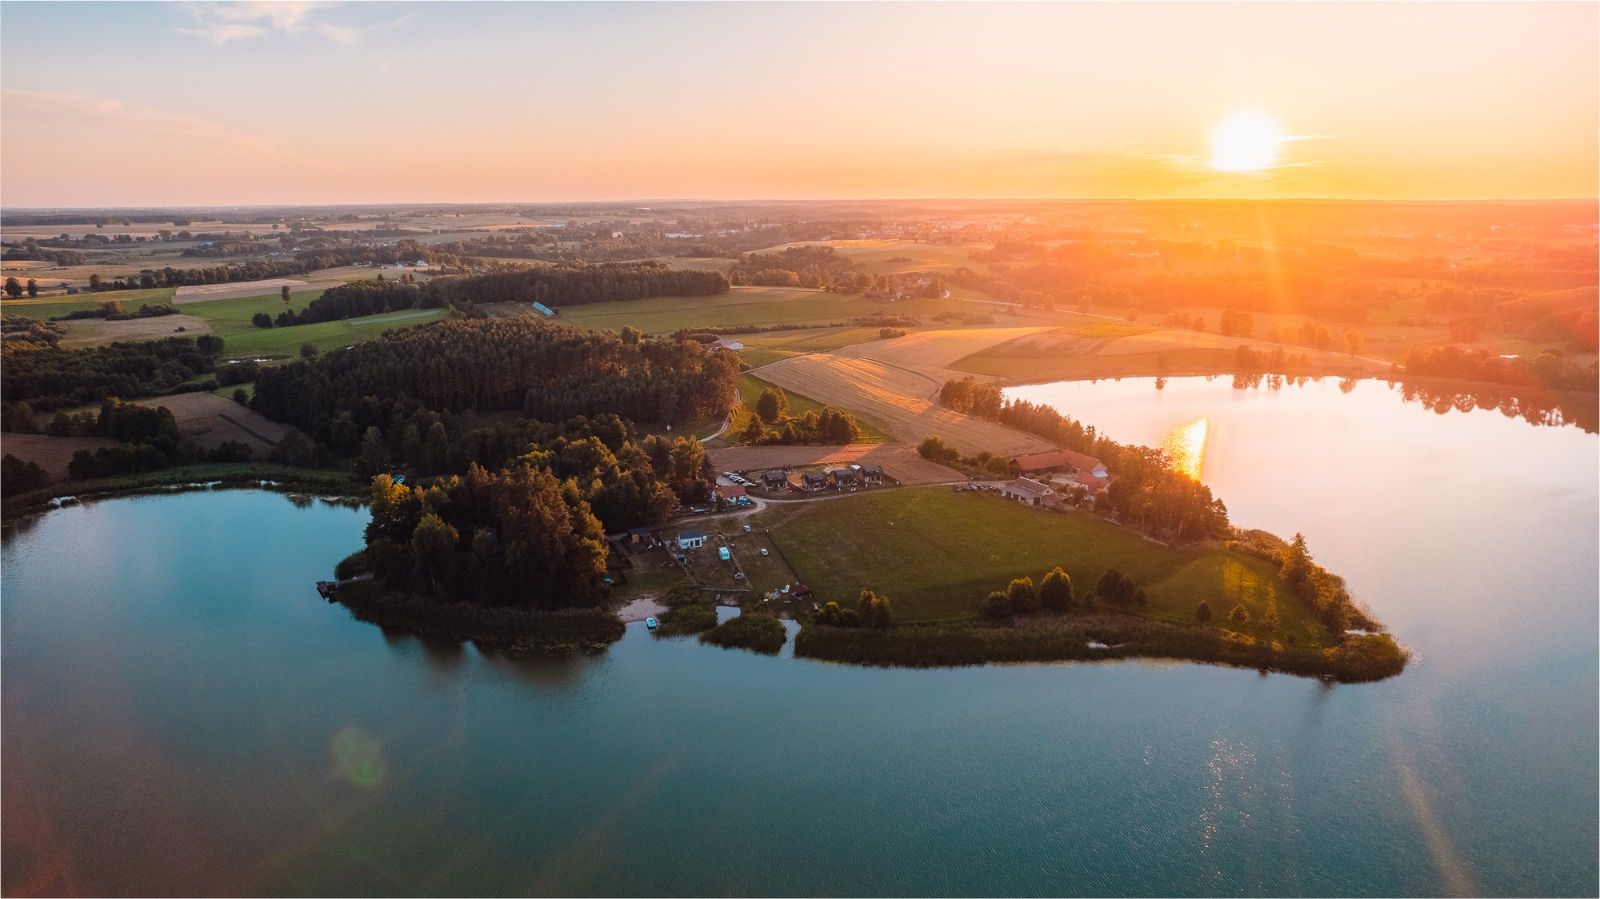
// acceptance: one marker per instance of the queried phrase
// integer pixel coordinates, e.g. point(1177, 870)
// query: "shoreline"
point(318, 482)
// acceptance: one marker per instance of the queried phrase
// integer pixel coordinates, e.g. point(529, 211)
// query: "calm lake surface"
point(183, 714)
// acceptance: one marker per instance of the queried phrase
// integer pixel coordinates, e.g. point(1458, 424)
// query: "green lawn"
point(231, 320)
point(750, 388)
point(743, 306)
point(937, 552)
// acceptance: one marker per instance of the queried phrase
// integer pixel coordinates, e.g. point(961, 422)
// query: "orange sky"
point(302, 103)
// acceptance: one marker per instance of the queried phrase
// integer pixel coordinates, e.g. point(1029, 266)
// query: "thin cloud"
point(223, 22)
point(106, 114)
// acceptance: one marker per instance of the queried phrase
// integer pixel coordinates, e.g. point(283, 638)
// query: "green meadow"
point(937, 552)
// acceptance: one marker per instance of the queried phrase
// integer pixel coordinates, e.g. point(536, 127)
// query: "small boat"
point(651, 623)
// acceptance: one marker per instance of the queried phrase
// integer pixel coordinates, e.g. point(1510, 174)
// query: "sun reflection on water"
point(1186, 444)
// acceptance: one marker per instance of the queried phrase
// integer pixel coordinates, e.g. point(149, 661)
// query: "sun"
point(1245, 142)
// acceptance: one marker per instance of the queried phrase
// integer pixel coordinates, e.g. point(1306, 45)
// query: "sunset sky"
point(212, 104)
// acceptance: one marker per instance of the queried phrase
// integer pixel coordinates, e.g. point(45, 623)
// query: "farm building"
point(774, 479)
point(732, 494)
point(691, 539)
point(1026, 491)
point(543, 310)
point(1085, 470)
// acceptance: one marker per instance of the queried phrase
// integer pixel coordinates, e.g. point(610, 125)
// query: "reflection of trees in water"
point(1553, 410)
point(1544, 409)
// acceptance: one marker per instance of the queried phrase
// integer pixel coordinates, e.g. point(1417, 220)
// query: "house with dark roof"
point(871, 473)
point(842, 476)
point(813, 481)
point(1026, 491)
point(774, 478)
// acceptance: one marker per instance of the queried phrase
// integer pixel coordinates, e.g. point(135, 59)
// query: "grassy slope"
point(936, 553)
point(750, 388)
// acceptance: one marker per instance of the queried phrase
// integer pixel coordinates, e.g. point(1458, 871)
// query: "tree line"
point(1145, 492)
point(49, 377)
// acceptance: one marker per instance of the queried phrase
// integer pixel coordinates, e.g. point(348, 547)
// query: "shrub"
point(1202, 612)
point(689, 618)
point(997, 605)
point(1239, 616)
point(1023, 596)
point(1055, 591)
point(756, 631)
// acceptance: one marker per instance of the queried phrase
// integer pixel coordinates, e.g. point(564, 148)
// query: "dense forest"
point(354, 300)
point(544, 370)
point(571, 285)
point(517, 538)
point(1145, 491)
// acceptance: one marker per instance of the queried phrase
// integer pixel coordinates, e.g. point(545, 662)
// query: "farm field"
point(230, 319)
point(97, 331)
point(888, 256)
point(743, 307)
point(895, 382)
point(763, 349)
point(937, 552)
point(53, 454)
point(1116, 349)
point(899, 460)
point(211, 420)
point(933, 352)
point(200, 293)
point(750, 389)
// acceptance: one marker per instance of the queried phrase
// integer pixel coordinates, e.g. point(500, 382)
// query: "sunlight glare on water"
point(1186, 444)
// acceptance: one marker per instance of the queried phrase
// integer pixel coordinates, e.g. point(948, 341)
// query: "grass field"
point(750, 388)
point(761, 349)
point(230, 319)
point(937, 552)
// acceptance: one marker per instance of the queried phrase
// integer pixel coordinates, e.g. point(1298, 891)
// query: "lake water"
point(183, 714)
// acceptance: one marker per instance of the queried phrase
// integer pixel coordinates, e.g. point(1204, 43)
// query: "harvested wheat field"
point(200, 293)
point(211, 420)
point(900, 400)
point(900, 461)
point(96, 331)
point(52, 454)
point(932, 352)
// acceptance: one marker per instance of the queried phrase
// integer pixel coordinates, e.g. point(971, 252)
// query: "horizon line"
point(821, 200)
